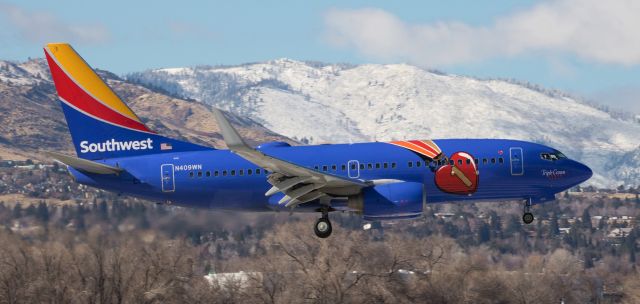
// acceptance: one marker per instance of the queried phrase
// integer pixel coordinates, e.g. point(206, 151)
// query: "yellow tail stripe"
point(82, 74)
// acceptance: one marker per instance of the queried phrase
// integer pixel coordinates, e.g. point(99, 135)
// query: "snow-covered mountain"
point(31, 119)
point(319, 103)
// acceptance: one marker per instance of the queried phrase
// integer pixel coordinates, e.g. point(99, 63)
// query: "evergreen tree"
point(513, 225)
point(450, 229)
point(554, 228)
point(103, 210)
point(588, 259)
point(484, 233)
point(602, 225)
point(586, 219)
point(79, 218)
point(30, 210)
point(42, 212)
point(17, 211)
point(496, 224)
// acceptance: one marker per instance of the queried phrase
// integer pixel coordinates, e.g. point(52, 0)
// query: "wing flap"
point(281, 186)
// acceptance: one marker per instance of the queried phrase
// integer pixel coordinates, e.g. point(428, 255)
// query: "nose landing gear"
point(322, 228)
point(527, 217)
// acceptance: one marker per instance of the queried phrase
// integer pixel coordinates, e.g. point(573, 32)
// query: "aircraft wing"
point(298, 183)
point(84, 164)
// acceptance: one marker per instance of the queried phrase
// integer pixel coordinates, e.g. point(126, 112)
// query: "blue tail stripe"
point(94, 139)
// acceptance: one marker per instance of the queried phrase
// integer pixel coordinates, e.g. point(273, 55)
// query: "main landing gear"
point(322, 227)
point(527, 217)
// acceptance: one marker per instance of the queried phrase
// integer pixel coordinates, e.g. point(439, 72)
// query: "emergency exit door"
point(167, 175)
point(517, 163)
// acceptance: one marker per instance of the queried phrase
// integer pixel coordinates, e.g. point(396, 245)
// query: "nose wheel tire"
point(527, 218)
point(322, 227)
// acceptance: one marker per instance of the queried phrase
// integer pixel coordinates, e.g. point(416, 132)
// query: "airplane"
point(116, 151)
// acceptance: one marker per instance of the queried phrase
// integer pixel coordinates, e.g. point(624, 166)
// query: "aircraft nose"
point(583, 172)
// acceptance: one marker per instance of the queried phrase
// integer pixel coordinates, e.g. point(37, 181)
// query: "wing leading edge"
point(299, 184)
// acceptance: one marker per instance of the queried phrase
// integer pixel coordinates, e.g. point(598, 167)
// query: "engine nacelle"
point(389, 201)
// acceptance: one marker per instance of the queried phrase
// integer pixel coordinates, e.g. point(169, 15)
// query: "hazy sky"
point(590, 48)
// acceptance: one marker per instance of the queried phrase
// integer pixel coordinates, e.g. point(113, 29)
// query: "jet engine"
point(389, 201)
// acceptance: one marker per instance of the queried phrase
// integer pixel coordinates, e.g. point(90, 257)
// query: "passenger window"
point(410, 164)
point(385, 165)
point(353, 166)
point(418, 163)
point(393, 165)
point(369, 166)
point(361, 166)
point(344, 167)
point(215, 173)
point(249, 171)
point(484, 161)
point(501, 160)
point(377, 165)
point(334, 167)
point(191, 174)
point(475, 160)
point(493, 160)
point(459, 162)
point(241, 172)
point(208, 173)
point(257, 171)
point(233, 172)
point(316, 167)
point(468, 161)
point(451, 162)
point(325, 168)
point(224, 172)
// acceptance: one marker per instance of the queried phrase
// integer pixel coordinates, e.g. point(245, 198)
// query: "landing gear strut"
point(527, 217)
point(322, 227)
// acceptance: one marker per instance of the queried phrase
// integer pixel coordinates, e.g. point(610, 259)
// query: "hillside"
point(32, 120)
point(320, 103)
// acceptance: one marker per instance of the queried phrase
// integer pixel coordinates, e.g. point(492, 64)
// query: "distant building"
point(229, 280)
point(444, 215)
point(564, 230)
point(619, 232)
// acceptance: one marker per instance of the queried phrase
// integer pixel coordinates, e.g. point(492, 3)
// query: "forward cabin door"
point(516, 161)
point(167, 176)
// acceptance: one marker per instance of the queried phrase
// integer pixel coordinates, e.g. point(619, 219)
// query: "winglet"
point(83, 164)
point(231, 136)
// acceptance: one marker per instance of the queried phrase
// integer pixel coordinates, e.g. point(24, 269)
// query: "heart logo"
point(459, 176)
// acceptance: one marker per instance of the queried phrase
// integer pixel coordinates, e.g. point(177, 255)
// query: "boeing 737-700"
point(115, 151)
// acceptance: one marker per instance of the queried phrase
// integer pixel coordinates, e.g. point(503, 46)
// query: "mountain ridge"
point(346, 103)
point(32, 120)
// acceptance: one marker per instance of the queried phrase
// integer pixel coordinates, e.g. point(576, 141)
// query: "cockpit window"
point(552, 156)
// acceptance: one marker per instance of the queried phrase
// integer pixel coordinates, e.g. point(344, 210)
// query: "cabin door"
point(167, 176)
point(354, 168)
point(517, 164)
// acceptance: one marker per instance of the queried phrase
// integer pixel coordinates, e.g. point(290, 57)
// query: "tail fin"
point(101, 125)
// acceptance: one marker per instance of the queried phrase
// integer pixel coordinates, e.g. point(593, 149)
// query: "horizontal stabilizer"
point(83, 164)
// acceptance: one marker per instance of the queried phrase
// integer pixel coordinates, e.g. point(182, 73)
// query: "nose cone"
point(583, 172)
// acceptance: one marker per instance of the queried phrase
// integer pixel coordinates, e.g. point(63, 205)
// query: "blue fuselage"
point(220, 179)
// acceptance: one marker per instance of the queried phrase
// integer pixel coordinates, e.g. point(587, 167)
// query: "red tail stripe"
point(71, 92)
